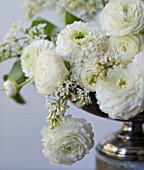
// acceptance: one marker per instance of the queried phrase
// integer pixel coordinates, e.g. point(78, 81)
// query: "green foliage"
point(16, 74)
point(5, 77)
point(67, 64)
point(70, 18)
point(48, 30)
point(18, 98)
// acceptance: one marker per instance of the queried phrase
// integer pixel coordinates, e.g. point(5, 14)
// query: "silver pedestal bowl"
point(126, 144)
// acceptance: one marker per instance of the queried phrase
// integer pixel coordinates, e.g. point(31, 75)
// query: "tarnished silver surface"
point(127, 144)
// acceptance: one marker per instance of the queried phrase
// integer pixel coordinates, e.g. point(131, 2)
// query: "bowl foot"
point(127, 144)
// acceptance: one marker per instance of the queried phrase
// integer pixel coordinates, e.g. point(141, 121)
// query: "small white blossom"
point(80, 42)
point(123, 17)
point(37, 32)
point(31, 53)
point(5, 52)
point(79, 96)
point(69, 142)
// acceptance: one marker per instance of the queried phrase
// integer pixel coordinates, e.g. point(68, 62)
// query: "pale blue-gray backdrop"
point(20, 139)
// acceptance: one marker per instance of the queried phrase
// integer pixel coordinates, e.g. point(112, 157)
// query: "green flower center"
point(122, 84)
point(122, 48)
point(125, 9)
point(92, 78)
point(78, 35)
point(69, 147)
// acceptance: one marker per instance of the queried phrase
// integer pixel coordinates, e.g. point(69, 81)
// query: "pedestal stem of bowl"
point(127, 144)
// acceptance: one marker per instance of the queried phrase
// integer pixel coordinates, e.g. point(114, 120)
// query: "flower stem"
point(26, 82)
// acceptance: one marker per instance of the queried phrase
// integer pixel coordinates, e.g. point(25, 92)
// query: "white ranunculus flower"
point(122, 95)
point(10, 88)
point(50, 72)
point(126, 47)
point(87, 75)
point(139, 61)
point(31, 53)
point(69, 142)
point(123, 17)
point(80, 42)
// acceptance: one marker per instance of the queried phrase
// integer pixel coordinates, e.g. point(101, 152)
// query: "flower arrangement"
point(73, 62)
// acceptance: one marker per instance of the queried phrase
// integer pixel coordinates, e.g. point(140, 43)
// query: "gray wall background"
point(20, 126)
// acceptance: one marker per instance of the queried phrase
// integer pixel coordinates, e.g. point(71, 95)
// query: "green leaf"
point(70, 18)
point(5, 77)
point(18, 98)
point(67, 64)
point(49, 28)
point(16, 74)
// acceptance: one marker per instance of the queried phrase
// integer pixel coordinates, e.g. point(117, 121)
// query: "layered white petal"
point(126, 47)
point(50, 72)
point(80, 42)
point(123, 17)
point(31, 53)
point(69, 142)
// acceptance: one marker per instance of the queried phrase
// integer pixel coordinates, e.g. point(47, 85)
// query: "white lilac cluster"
point(37, 32)
point(14, 41)
point(33, 7)
point(85, 9)
point(58, 103)
point(95, 69)
point(80, 42)
point(18, 37)
point(69, 142)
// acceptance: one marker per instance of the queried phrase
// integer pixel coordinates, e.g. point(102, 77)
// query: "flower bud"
point(10, 88)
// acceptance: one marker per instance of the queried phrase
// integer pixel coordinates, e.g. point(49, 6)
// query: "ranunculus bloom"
point(80, 42)
point(69, 142)
point(123, 17)
point(31, 53)
point(122, 95)
point(139, 61)
point(50, 72)
point(126, 47)
point(87, 75)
